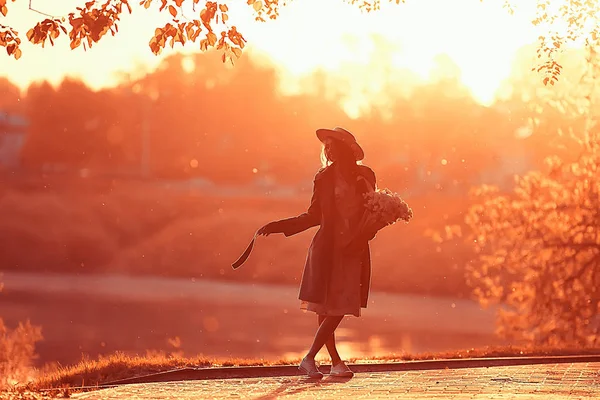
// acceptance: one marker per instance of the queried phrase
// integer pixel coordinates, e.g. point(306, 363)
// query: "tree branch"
point(41, 12)
point(584, 268)
point(572, 245)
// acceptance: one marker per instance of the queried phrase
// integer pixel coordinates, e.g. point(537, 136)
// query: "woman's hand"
point(267, 229)
point(372, 227)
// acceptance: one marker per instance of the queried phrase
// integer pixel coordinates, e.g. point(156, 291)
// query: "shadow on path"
point(292, 387)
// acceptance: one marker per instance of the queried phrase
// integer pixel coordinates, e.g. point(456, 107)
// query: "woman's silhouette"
point(337, 272)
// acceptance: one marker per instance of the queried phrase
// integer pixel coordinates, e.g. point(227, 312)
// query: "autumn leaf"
point(257, 5)
point(203, 45)
point(75, 43)
point(173, 11)
point(212, 38)
point(54, 33)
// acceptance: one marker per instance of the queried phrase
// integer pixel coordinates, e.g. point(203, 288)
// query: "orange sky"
point(481, 38)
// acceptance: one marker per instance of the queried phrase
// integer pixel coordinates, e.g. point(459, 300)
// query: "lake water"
point(100, 314)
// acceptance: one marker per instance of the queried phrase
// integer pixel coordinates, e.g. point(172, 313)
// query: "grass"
point(487, 352)
point(119, 366)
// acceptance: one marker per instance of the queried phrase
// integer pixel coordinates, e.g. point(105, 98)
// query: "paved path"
point(547, 382)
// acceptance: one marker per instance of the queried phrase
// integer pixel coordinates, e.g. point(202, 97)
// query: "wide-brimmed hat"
point(344, 136)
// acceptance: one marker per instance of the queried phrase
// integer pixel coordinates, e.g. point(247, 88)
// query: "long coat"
point(321, 212)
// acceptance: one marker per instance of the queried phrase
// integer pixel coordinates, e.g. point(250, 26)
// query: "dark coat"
point(321, 211)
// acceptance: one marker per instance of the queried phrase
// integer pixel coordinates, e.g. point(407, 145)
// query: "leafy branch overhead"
point(564, 22)
point(208, 25)
point(90, 22)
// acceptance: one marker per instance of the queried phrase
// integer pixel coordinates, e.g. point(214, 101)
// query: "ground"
point(545, 381)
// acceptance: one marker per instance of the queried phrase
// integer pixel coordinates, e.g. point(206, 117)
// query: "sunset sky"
point(481, 38)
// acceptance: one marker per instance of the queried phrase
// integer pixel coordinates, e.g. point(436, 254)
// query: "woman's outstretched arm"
point(300, 223)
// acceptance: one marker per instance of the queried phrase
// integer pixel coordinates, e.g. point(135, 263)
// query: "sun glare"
point(480, 38)
point(366, 57)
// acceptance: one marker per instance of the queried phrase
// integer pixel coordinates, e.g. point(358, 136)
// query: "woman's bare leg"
point(330, 344)
point(324, 333)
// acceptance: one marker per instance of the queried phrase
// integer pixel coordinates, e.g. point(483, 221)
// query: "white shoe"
point(341, 370)
point(309, 367)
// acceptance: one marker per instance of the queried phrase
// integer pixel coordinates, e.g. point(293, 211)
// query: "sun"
point(368, 50)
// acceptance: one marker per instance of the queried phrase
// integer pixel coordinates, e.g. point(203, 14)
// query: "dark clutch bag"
point(242, 259)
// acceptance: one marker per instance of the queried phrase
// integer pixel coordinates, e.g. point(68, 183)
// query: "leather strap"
point(242, 259)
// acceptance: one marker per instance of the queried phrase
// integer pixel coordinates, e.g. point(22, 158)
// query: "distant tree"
point(547, 118)
point(539, 252)
point(537, 248)
point(158, 113)
point(565, 21)
point(9, 97)
point(63, 131)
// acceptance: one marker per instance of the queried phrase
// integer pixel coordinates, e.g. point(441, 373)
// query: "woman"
point(337, 273)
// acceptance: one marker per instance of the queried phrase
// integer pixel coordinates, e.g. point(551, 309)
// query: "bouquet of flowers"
point(387, 207)
point(383, 208)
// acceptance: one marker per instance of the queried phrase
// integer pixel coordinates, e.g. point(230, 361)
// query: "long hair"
point(335, 148)
point(325, 158)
